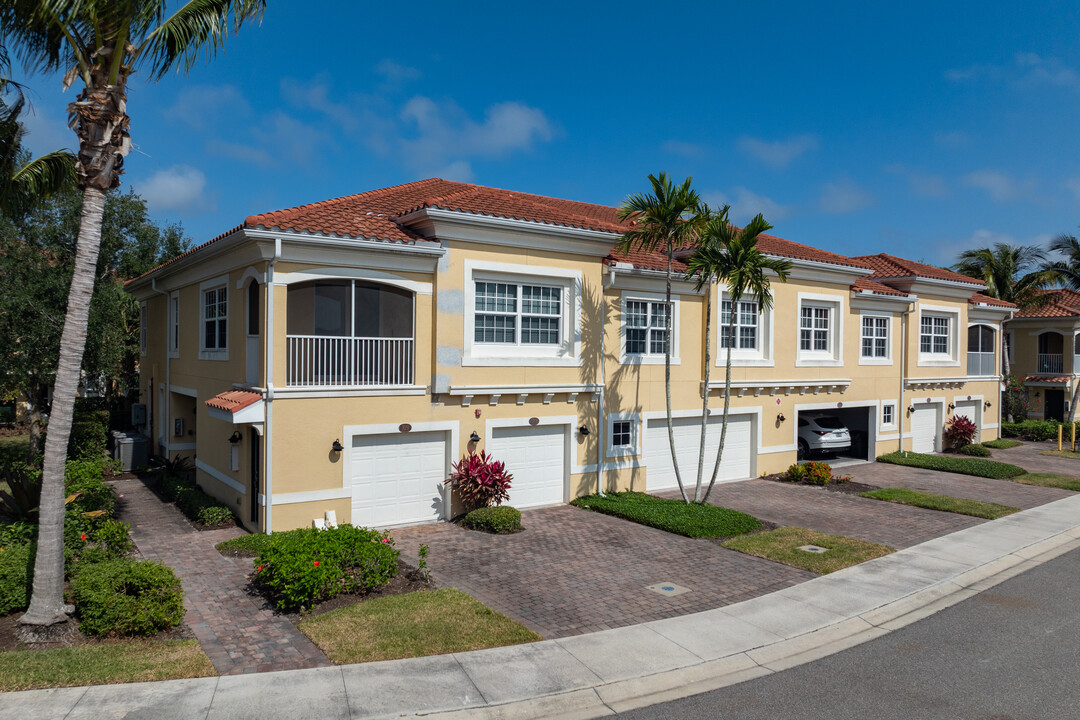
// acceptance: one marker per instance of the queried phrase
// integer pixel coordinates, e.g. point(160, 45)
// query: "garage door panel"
point(536, 456)
point(968, 409)
point(735, 465)
point(924, 429)
point(397, 479)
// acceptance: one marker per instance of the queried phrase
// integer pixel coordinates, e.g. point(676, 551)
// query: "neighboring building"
point(340, 355)
point(1044, 342)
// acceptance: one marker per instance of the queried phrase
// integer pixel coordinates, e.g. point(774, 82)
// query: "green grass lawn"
point(14, 441)
point(1050, 480)
point(103, 664)
point(251, 545)
point(1002, 443)
point(428, 622)
point(975, 508)
point(694, 520)
point(781, 545)
point(1070, 454)
point(978, 467)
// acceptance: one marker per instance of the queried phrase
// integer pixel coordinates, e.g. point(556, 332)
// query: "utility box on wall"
point(138, 414)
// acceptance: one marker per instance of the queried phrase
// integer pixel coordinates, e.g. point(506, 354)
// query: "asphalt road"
point(1011, 652)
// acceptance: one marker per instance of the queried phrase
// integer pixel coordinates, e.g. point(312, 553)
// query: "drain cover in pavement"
point(812, 548)
point(666, 588)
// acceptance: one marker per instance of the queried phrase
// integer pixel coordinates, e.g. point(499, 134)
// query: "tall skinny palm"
point(1015, 273)
point(99, 43)
point(1067, 273)
point(730, 256)
point(666, 219)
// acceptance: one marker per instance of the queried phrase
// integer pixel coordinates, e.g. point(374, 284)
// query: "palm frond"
point(197, 28)
point(36, 180)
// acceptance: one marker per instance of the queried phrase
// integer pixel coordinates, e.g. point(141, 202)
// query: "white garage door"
point(735, 465)
point(924, 429)
point(397, 479)
point(970, 410)
point(536, 457)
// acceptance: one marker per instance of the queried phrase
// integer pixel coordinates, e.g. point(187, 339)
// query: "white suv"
point(824, 433)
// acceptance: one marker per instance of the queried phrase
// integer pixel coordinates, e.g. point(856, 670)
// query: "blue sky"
point(918, 129)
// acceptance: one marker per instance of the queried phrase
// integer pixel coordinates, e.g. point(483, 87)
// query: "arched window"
point(1050, 358)
point(981, 346)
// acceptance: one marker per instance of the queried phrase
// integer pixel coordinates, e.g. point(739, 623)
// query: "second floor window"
point(215, 307)
point(934, 333)
point(746, 325)
point(875, 337)
point(509, 313)
point(646, 325)
point(815, 324)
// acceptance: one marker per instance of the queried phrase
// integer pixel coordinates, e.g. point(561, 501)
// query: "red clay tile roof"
point(1061, 303)
point(889, 266)
point(876, 287)
point(233, 400)
point(979, 298)
point(1048, 378)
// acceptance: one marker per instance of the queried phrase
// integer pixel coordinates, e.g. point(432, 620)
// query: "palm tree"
point(729, 255)
point(1067, 273)
point(667, 219)
point(1014, 273)
point(100, 43)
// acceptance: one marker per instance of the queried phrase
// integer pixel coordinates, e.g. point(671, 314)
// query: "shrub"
point(965, 465)
point(201, 507)
point(814, 473)
point(127, 597)
point(1002, 443)
point(17, 532)
point(975, 450)
point(1035, 430)
point(960, 431)
point(500, 520)
point(480, 480)
point(88, 441)
point(301, 567)
point(86, 478)
point(23, 495)
point(172, 487)
point(16, 574)
point(1015, 400)
point(114, 537)
point(214, 515)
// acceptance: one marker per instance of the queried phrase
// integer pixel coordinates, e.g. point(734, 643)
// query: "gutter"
point(168, 365)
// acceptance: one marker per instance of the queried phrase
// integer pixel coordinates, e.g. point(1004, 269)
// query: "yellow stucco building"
point(341, 355)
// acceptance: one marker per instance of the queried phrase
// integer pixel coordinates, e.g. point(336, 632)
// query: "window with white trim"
point(622, 433)
point(875, 336)
point(747, 318)
point(174, 323)
point(513, 314)
point(215, 318)
point(815, 322)
point(888, 415)
point(142, 328)
point(646, 325)
point(934, 334)
point(622, 437)
point(820, 330)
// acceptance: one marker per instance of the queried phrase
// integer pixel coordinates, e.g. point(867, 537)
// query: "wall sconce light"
point(780, 417)
point(235, 437)
point(952, 407)
point(911, 409)
point(475, 437)
point(986, 404)
point(336, 447)
point(584, 431)
point(1037, 393)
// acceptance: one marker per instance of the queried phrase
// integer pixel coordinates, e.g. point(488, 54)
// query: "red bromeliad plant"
point(960, 431)
point(480, 480)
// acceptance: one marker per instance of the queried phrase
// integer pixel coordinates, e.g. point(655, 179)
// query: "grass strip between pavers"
point(782, 545)
point(107, 663)
point(694, 520)
point(427, 622)
point(963, 465)
point(1049, 480)
point(1069, 454)
point(1002, 443)
point(251, 545)
point(946, 503)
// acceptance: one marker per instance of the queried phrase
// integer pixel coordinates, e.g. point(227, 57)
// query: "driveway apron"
point(1027, 456)
point(239, 632)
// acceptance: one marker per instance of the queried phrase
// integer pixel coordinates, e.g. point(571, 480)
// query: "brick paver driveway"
point(237, 631)
point(574, 571)
point(1027, 456)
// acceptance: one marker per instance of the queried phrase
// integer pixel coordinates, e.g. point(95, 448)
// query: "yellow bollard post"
point(1059, 438)
point(1072, 445)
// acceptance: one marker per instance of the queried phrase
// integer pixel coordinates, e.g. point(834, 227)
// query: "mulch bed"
point(848, 488)
point(14, 430)
point(68, 634)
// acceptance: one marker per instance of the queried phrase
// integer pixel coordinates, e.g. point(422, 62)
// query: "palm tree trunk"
point(668, 313)
point(727, 405)
point(705, 392)
point(47, 601)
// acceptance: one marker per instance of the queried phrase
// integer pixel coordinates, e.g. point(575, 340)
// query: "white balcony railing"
point(318, 361)
point(1050, 363)
point(980, 364)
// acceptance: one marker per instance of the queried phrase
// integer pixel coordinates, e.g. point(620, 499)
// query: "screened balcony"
point(1050, 359)
point(349, 333)
point(980, 357)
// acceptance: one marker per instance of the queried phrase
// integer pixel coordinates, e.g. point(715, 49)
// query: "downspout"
point(903, 372)
point(168, 365)
point(268, 441)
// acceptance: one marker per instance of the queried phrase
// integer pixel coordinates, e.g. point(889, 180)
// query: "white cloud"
point(1026, 70)
point(396, 73)
point(921, 184)
point(1001, 186)
point(177, 188)
point(952, 140)
point(844, 196)
point(201, 106)
point(777, 153)
point(685, 149)
point(947, 251)
point(243, 153)
point(745, 204)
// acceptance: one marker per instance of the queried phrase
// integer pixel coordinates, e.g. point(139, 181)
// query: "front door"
point(1055, 405)
point(253, 491)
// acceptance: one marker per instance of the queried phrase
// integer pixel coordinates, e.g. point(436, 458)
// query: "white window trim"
point(895, 424)
point(222, 281)
point(566, 353)
point(649, 358)
point(174, 323)
point(142, 328)
point(817, 358)
point(932, 359)
point(888, 359)
point(632, 450)
point(762, 356)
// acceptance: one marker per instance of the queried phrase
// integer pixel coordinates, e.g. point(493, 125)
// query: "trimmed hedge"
point(89, 439)
point(1035, 430)
point(302, 567)
point(500, 520)
point(964, 466)
point(1002, 444)
point(673, 515)
point(16, 573)
point(974, 450)
point(127, 597)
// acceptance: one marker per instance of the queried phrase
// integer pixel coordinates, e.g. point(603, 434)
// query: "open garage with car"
point(836, 434)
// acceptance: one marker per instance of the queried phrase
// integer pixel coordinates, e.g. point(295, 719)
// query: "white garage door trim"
point(971, 409)
point(563, 423)
point(740, 451)
point(926, 413)
point(348, 432)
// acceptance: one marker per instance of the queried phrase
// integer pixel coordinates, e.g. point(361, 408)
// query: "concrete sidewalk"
point(615, 670)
